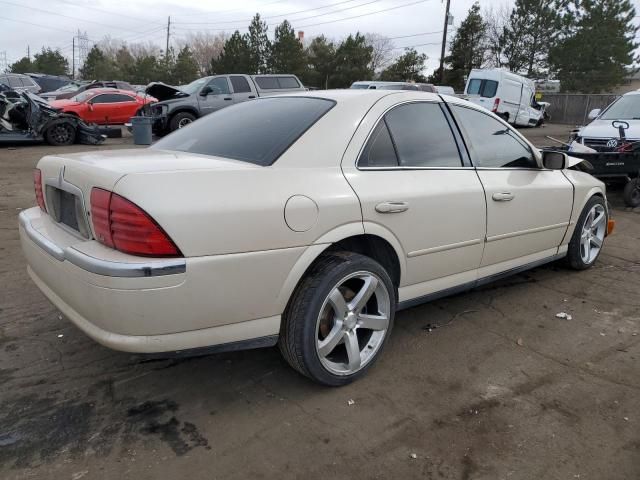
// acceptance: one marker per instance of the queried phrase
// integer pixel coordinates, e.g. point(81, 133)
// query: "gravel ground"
point(484, 385)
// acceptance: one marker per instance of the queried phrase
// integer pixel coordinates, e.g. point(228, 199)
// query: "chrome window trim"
point(399, 167)
point(148, 268)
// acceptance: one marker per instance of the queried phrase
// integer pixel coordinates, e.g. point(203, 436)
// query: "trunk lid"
point(68, 179)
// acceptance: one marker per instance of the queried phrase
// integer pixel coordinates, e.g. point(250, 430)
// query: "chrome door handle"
point(503, 197)
point(392, 207)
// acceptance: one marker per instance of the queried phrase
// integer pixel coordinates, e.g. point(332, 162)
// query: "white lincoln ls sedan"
point(304, 220)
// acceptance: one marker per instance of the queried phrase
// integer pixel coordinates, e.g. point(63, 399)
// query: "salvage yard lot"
point(484, 385)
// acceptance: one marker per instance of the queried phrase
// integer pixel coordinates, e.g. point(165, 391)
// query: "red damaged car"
point(104, 105)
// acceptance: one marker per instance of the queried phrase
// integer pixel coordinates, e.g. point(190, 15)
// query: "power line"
point(37, 25)
point(244, 20)
point(365, 14)
point(223, 12)
point(414, 35)
point(327, 22)
point(65, 16)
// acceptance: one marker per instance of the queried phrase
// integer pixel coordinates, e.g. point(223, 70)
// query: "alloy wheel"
point(593, 232)
point(184, 122)
point(61, 134)
point(353, 323)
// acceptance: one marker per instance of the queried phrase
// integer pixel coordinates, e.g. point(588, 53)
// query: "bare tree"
point(205, 46)
point(496, 18)
point(382, 51)
point(110, 46)
point(144, 49)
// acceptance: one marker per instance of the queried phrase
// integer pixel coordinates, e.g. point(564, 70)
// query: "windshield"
point(626, 107)
point(83, 96)
point(256, 132)
point(194, 86)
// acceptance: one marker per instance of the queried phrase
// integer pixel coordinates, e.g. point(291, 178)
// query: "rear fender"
point(323, 243)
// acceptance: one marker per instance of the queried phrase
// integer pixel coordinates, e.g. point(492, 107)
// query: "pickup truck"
point(179, 106)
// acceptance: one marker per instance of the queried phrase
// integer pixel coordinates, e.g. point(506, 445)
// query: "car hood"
point(603, 129)
point(163, 92)
point(63, 103)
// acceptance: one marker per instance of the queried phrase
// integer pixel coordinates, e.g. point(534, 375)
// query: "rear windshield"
point(360, 85)
point(256, 132)
point(484, 88)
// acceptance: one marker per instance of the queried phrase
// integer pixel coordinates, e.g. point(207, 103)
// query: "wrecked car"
point(25, 117)
point(180, 106)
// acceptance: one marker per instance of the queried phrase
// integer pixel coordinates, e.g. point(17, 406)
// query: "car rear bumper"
point(154, 305)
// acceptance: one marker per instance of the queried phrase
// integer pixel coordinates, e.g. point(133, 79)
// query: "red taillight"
point(37, 184)
point(100, 200)
point(496, 104)
point(121, 224)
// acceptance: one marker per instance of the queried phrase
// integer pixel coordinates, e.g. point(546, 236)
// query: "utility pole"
point(73, 57)
point(444, 42)
point(166, 52)
point(28, 53)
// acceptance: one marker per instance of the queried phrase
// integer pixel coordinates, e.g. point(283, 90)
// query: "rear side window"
point(491, 143)
point(422, 136)
point(257, 132)
point(484, 88)
point(268, 83)
point(288, 82)
point(379, 151)
point(240, 85)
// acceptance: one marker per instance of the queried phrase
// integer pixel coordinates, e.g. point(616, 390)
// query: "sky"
point(38, 23)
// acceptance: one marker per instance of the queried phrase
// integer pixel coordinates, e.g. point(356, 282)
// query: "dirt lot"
point(502, 390)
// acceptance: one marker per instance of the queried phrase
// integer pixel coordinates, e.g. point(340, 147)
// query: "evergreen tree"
point(125, 64)
point(259, 46)
point(353, 61)
point(235, 56)
point(529, 36)
point(51, 62)
point(287, 53)
point(468, 49)
point(147, 68)
point(23, 65)
point(185, 68)
point(407, 67)
point(321, 59)
point(98, 66)
point(598, 48)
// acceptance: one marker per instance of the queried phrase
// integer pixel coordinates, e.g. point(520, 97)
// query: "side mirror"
point(593, 114)
point(205, 91)
point(555, 160)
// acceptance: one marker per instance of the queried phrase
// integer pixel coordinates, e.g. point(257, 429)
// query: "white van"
point(506, 94)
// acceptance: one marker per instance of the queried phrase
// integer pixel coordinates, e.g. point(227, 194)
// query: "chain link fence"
point(573, 109)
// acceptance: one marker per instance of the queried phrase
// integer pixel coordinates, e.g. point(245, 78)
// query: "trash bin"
point(141, 127)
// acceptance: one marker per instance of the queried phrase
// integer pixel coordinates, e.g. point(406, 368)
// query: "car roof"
point(109, 90)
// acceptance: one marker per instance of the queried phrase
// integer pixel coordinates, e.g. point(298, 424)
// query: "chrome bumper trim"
point(151, 268)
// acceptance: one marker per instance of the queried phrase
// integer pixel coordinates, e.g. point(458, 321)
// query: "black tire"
point(60, 134)
point(180, 119)
point(574, 255)
point(505, 117)
point(631, 193)
point(301, 323)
